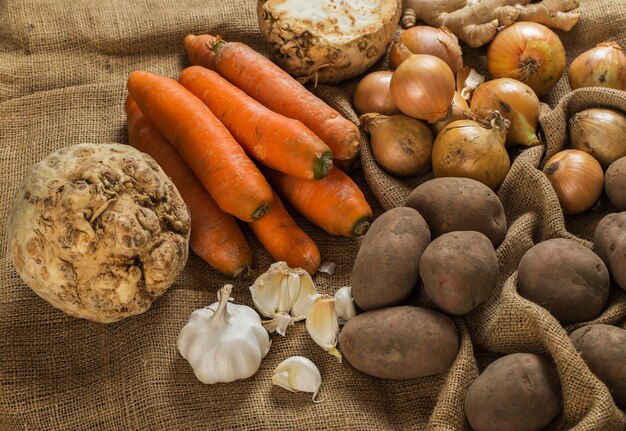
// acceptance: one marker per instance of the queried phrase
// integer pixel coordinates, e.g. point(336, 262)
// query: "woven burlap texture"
point(63, 69)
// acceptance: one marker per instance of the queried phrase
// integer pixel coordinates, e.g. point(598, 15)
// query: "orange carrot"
point(284, 240)
point(279, 142)
point(215, 235)
point(199, 50)
point(266, 82)
point(334, 203)
point(219, 162)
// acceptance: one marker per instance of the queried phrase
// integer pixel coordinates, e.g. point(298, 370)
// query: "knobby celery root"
point(99, 231)
point(476, 22)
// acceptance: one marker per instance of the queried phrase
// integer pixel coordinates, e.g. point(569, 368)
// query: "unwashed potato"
point(609, 242)
point(402, 342)
point(459, 271)
point(386, 268)
point(566, 278)
point(603, 348)
point(615, 183)
point(518, 392)
point(454, 203)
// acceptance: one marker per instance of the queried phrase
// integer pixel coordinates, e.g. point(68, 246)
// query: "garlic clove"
point(265, 294)
point(344, 304)
point(283, 294)
point(302, 304)
point(279, 323)
point(298, 374)
point(322, 324)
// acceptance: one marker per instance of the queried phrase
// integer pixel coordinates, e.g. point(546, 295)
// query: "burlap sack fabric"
point(63, 68)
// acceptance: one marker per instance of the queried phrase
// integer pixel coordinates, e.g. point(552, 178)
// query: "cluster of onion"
point(470, 122)
point(597, 138)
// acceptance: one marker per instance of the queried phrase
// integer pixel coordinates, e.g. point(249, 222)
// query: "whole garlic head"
point(284, 295)
point(224, 341)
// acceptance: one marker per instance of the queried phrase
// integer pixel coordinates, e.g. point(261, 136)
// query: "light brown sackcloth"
point(63, 68)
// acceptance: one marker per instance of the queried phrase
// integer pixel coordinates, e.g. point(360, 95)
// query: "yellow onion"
point(422, 87)
point(528, 52)
point(372, 94)
point(423, 39)
point(601, 66)
point(458, 112)
point(471, 149)
point(577, 179)
point(516, 101)
point(401, 145)
point(599, 132)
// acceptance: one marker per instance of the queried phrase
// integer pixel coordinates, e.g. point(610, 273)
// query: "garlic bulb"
point(284, 295)
point(224, 342)
point(344, 304)
point(322, 324)
point(298, 374)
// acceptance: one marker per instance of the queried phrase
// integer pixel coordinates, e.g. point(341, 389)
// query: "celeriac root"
point(476, 22)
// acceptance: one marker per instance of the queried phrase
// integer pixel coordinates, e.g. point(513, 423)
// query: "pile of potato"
point(444, 241)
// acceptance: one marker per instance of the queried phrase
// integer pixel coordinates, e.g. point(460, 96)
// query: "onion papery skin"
point(528, 52)
point(516, 102)
point(423, 39)
point(601, 66)
point(600, 132)
point(423, 87)
point(466, 148)
point(372, 94)
point(577, 179)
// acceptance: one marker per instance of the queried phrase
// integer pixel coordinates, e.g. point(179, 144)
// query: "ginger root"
point(476, 22)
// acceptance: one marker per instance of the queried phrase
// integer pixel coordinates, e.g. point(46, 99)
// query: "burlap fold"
point(63, 67)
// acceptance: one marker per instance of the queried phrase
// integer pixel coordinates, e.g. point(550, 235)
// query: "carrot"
point(219, 162)
point(215, 235)
point(284, 240)
point(198, 49)
point(334, 203)
point(279, 142)
point(266, 82)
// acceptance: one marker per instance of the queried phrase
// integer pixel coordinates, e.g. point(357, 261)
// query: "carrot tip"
point(323, 165)
point(261, 211)
point(243, 273)
point(361, 227)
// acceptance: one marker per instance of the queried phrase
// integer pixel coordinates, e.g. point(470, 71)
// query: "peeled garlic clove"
point(322, 324)
point(344, 304)
point(298, 374)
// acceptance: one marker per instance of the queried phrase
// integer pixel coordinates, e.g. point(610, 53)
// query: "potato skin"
point(402, 342)
point(566, 278)
point(603, 348)
point(459, 271)
point(615, 183)
point(520, 391)
point(386, 268)
point(609, 242)
point(452, 204)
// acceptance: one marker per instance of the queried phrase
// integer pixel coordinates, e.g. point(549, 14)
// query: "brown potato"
point(453, 203)
point(566, 278)
point(402, 342)
point(520, 391)
point(609, 242)
point(603, 348)
point(615, 183)
point(386, 268)
point(459, 271)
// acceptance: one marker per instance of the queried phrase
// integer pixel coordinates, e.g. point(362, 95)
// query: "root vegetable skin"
point(477, 22)
point(99, 231)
